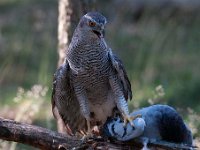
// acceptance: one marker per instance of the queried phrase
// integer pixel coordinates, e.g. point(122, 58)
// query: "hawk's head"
point(93, 24)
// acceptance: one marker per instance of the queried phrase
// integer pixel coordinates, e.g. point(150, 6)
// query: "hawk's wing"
point(64, 99)
point(122, 75)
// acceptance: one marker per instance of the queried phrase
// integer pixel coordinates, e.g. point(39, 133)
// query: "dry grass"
point(27, 105)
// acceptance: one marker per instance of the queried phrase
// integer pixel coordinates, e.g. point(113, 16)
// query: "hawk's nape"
point(64, 100)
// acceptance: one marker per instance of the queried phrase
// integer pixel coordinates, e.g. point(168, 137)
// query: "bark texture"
point(46, 139)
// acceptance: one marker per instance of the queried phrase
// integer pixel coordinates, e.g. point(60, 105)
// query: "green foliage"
point(27, 44)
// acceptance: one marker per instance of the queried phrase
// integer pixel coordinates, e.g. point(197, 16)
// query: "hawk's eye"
point(92, 24)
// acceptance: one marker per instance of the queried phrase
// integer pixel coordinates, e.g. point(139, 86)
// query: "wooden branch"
point(46, 139)
point(36, 136)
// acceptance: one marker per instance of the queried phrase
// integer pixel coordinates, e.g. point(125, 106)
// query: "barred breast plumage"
point(96, 78)
point(90, 61)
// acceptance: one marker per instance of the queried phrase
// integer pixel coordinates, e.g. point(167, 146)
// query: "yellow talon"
point(130, 119)
point(88, 134)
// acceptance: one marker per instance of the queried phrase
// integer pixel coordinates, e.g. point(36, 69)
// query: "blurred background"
point(158, 41)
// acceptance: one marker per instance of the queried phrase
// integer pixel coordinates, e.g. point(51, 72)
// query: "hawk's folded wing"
point(65, 101)
point(122, 75)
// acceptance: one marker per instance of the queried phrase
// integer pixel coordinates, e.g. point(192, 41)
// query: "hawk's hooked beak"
point(100, 34)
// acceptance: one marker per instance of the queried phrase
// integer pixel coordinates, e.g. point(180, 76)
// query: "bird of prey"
point(92, 82)
point(158, 122)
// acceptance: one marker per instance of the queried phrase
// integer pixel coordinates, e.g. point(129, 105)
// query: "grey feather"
point(92, 81)
point(114, 128)
point(63, 99)
point(162, 122)
point(122, 75)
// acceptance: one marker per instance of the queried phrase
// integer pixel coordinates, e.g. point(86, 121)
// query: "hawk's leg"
point(121, 101)
point(84, 106)
point(88, 127)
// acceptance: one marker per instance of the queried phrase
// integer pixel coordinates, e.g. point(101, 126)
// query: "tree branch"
point(46, 139)
point(36, 136)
